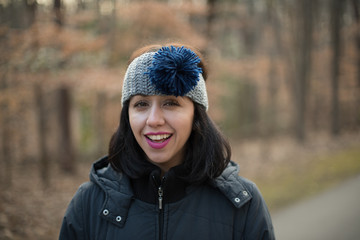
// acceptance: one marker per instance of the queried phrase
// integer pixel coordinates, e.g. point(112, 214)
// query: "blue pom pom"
point(174, 70)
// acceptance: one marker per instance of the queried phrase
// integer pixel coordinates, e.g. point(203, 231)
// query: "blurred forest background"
point(284, 86)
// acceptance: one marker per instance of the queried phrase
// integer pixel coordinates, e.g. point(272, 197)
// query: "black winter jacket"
point(229, 207)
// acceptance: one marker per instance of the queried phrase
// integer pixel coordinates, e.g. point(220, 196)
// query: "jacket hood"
point(118, 193)
point(237, 189)
point(105, 176)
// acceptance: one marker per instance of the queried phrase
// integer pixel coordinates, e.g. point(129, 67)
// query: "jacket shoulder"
point(85, 204)
point(87, 191)
point(88, 195)
point(243, 192)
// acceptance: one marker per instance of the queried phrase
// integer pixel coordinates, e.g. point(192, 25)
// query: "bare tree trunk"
point(58, 15)
point(336, 12)
point(31, 7)
point(44, 155)
point(275, 54)
point(209, 31)
point(18, 14)
point(113, 34)
point(356, 6)
point(250, 28)
point(303, 68)
point(7, 157)
point(66, 151)
point(99, 122)
point(97, 11)
point(80, 6)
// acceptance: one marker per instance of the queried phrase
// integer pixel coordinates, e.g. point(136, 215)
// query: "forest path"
point(331, 215)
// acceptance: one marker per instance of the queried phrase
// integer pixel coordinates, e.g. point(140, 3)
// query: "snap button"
point(245, 193)
point(106, 212)
point(118, 218)
point(237, 200)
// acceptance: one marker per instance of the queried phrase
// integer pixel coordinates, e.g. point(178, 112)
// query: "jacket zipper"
point(160, 193)
point(160, 201)
point(161, 212)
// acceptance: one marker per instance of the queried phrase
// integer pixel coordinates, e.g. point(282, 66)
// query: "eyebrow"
point(162, 96)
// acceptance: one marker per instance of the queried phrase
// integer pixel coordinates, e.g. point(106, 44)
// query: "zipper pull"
point(160, 193)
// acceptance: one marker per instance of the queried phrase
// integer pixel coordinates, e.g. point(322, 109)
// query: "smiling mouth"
point(158, 138)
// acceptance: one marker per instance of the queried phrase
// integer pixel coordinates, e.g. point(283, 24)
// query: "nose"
point(155, 117)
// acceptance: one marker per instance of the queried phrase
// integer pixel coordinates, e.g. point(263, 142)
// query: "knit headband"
point(169, 71)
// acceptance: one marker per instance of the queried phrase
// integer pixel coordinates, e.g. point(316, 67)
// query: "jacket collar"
point(119, 193)
point(232, 185)
point(174, 187)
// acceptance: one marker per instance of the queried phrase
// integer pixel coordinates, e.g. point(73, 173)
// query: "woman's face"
point(162, 126)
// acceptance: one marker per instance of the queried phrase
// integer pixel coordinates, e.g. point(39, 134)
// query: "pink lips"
point(157, 145)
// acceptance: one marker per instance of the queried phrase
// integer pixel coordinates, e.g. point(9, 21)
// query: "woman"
point(168, 174)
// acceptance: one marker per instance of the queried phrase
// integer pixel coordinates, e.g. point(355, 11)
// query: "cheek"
point(185, 125)
point(135, 123)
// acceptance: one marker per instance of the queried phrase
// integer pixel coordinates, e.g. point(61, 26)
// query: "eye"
point(140, 104)
point(171, 103)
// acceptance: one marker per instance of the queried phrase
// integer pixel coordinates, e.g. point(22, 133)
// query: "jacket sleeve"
point(73, 226)
point(258, 223)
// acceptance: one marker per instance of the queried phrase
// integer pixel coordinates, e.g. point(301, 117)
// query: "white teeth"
point(158, 137)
